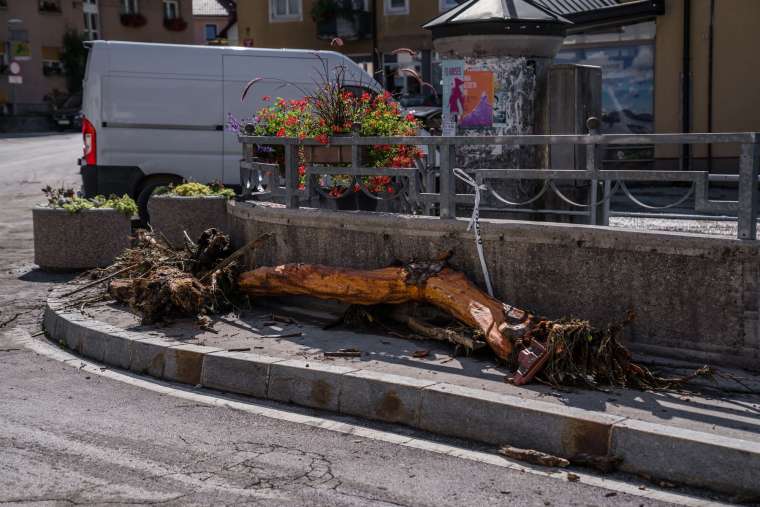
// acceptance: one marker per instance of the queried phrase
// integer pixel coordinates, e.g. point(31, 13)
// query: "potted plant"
point(188, 210)
point(73, 233)
point(334, 111)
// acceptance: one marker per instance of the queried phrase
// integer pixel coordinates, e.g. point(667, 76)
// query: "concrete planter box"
point(170, 215)
point(88, 239)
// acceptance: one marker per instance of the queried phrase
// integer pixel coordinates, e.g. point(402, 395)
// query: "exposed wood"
point(446, 289)
point(401, 314)
point(533, 456)
point(251, 245)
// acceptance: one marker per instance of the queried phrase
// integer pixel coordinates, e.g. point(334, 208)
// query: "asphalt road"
point(72, 437)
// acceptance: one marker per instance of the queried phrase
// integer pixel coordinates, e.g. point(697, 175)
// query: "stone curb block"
point(309, 384)
point(382, 396)
point(502, 419)
point(237, 372)
point(684, 456)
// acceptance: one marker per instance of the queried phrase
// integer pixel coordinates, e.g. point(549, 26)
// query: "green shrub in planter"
point(189, 207)
point(74, 233)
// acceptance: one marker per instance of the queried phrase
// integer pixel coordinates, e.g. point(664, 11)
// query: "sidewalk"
point(709, 438)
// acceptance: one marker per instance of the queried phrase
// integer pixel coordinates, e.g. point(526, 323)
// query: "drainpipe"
point(686, 84)
point(710, 82)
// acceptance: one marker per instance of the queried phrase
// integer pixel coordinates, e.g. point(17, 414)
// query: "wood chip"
point(421, 353)
point(533, 456)
point(285, 335)
point(242, 349)
point(344, 353)
point(573, 477)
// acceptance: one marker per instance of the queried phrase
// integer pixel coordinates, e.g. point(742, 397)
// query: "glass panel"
point(294, 7)
point(280, 7)
point(398, 4)
point(627, 84)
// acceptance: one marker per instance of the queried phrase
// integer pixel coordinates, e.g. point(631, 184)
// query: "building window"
point(285, 10)
point(445, 5)
point(129, 7)
point(49, 6)
point(626, 56)
point(91, 26)
point(210, 32)
point(171, 9)
point(396, 7)
point(51, 61)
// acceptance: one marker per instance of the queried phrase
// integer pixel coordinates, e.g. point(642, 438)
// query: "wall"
point(695, 297)
point(736, 103)
point(153, 30)
point(199, 27)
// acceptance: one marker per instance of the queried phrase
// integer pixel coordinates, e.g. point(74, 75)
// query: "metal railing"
point(431, 184)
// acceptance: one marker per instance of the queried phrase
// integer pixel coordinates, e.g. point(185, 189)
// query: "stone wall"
point(695, 297)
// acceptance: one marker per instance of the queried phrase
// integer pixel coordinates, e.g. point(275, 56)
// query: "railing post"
point(592, 166)
point(448, 189)
point(748, 170)
point(291, 176)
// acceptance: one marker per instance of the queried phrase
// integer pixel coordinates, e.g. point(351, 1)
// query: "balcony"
point(347, 24)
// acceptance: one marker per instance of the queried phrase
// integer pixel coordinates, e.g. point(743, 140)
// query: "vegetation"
point(74, 60)
point(71, 201)
point(194, 189)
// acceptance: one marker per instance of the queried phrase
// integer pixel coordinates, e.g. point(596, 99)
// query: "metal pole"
point(748, 171)
point(447, 192)
point(291, 177)
point(605, 220)
point(593, 125)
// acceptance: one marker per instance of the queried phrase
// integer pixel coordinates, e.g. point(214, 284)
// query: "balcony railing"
point(434, 184)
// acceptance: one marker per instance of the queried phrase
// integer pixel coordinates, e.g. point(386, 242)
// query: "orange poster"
point(478, 99)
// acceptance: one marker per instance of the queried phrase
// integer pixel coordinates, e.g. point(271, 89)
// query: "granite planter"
point(170, 215)
point(87, 239)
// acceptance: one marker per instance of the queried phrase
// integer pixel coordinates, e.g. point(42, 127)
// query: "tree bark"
point(447, 289)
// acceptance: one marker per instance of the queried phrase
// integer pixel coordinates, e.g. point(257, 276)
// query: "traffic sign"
point(15, 68)
point(15, 80)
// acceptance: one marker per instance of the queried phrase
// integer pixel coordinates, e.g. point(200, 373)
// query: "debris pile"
point(159, 282)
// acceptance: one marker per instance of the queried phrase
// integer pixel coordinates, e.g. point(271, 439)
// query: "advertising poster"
point(453, 95)
point(478, 99)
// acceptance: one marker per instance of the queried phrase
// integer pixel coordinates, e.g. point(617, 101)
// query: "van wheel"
point(146, 190)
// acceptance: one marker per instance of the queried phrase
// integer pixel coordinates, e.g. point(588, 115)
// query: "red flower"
point(301, 186)
point(365, 97)
point(322, 138)
point(281, 132)
point(301, 170)
point(266, 98)
point(409, 117)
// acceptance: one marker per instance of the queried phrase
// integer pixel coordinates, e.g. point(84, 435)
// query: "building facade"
point(214, 22)
point(31, 35)
point(668, 65)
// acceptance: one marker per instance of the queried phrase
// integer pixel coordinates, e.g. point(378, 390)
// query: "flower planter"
point(327, 154)
point(170, 215)
point(87, 239)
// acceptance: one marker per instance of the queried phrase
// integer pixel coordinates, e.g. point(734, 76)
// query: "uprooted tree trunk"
point(431, 283)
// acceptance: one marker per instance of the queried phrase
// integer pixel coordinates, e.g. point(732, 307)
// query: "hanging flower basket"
point(175, 24)
point(133, 20)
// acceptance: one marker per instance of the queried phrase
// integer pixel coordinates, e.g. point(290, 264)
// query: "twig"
point(241, 349)
point(5, 323)
point(286, 335)
point(251, 245)
point(344, 353)
point(100, 280)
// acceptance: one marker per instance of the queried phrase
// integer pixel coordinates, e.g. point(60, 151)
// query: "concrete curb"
point(662, 452)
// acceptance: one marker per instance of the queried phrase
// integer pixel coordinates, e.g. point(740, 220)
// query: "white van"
point(155, 113)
